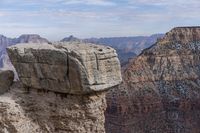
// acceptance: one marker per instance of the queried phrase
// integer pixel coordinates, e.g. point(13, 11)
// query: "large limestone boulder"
point(75, 75)
point(6, 80)
point(73, 68)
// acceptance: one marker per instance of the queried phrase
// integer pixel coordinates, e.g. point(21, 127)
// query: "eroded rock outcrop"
point(161, 88)
point(62, 89)
point(6, 80)
point(66, 68)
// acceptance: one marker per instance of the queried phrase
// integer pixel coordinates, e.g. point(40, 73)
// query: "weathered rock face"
point(6, 80)
point(161, 88)
point(41, 112)
point(67, 68)
point(63, 88)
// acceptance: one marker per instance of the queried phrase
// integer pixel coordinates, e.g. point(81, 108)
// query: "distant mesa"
point(31, 38)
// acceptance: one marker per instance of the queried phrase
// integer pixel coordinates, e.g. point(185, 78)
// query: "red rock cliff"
point(161, 88)
point(182, 35)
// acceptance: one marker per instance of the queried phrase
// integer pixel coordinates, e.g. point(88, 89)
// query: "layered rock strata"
point(62, 89)
point(161, 88)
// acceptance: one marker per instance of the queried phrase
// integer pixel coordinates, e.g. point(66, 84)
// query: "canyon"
point(160, 92)
point(74, 86)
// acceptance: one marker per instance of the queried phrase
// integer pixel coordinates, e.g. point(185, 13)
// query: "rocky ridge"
point(160, 91)
point(64, 93)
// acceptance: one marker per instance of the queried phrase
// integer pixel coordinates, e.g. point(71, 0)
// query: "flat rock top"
point(78, 47)
point(81, 47)
point(22, 46)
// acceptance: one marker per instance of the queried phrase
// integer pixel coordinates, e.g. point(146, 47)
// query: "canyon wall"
point(160, 92)
point(62, 88)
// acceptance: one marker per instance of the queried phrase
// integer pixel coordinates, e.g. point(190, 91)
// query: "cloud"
point(86, 18)
point(2, 14)
point(61, 2)
point(90, 2)
point(168, 3)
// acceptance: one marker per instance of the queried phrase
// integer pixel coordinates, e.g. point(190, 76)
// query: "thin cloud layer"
point(90, 2)
point(95, 18)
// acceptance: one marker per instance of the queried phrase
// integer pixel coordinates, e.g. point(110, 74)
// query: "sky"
point(56, 19)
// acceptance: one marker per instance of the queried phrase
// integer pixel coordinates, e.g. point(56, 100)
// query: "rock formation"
point(73, 68)
point(6, 80)
point(62, 88)
point(161, 88)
